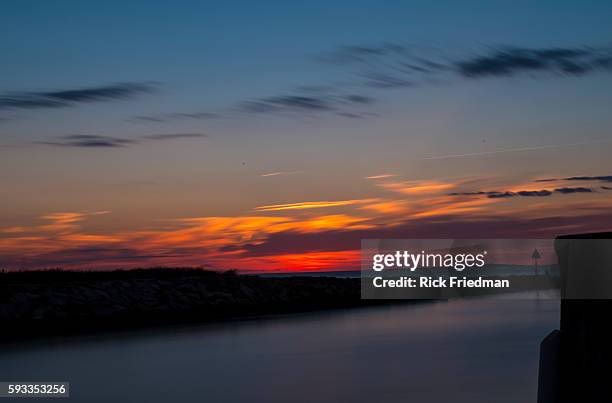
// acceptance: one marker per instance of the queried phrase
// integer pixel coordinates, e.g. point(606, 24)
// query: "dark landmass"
point(39, 303)
point(36, 304)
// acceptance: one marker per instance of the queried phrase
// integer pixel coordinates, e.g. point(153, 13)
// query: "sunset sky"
point(274, 136)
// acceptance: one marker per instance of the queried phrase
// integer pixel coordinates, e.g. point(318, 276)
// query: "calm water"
point(480, 350)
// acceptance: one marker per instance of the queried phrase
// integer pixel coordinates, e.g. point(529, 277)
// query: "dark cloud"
point(316, 89)
point(350, 115)
point(393, 65)
point(574, 190)
point(174, 136)
point(88, 141)
point(605, 178)
point(387, 66)
point(383, 80)
point(524, 193)
point(358, 53)
point(590, 178)
point(358, 99)
point(305, 103)
point(534, 193)
point(149, 118)
point(305, 100)
point(511, 61)
point(288, 103)
point(72, 97)
point(479, 193)
point(500, 195)
point(97, 141)
point(165, 117)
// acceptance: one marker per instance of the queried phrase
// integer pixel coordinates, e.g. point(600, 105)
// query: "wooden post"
point(584, 361)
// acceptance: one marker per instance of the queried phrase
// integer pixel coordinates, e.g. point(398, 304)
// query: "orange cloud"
point(221, 241)
point(417, 187)
point(89, 238)
point(446, 206)
point(390, 207)
point(62, 222)
point(14, 230)
point(67, 221)
point(309, 205)
point(332, 222)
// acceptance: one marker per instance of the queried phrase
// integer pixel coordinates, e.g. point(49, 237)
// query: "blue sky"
point(210, 56)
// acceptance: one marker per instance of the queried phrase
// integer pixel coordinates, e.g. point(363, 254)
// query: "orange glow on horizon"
point(227, 242)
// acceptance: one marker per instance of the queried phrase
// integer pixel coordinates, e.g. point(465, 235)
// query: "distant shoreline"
point(39, 304)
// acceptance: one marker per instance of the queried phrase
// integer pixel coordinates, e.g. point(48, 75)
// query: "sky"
point(275, 136)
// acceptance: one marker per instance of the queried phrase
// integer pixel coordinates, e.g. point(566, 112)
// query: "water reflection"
point(479, 350)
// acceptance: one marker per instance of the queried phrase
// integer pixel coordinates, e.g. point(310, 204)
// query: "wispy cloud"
point(393, 65)
point(524, 193)
point(13, 230)
point(574, 190)
point(165, 117)
point(174, 136)
point(98, 141)
point(381, 176)
point(309, 205)
point(280, 173)
point(517, 149)
point(508, 61)
point(390, 65)
point(304, 100)
point(603, 178)
point(289, 238)
point(88, 141)
point(299, 102)
point(66, 222)
point(417, 187)
point(74, 96)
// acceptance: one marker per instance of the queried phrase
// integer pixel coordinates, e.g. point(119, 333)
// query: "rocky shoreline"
point(34, 304)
